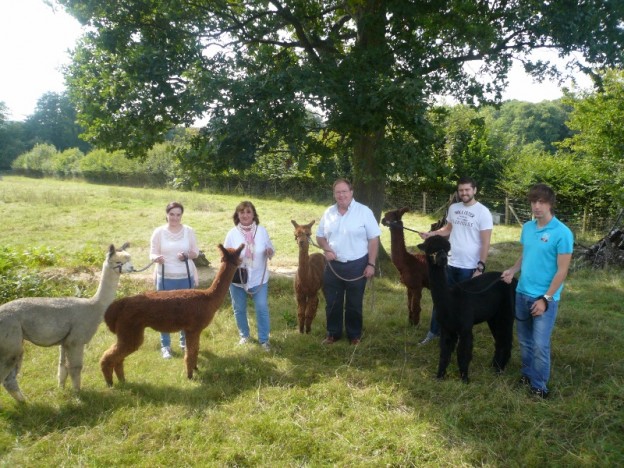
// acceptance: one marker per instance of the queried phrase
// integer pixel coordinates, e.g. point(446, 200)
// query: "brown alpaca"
point(190, 310)
point(412, 267)
point(309, 277)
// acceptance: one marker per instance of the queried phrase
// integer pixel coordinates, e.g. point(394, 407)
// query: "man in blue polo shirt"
point(547, 246)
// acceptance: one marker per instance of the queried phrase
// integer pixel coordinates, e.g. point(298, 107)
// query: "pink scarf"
point(249, 233)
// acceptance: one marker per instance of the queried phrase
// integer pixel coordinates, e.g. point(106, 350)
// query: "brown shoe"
point(328, 340)
point(355, 341)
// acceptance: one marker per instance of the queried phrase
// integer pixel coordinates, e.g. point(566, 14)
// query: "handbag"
point(241, 276)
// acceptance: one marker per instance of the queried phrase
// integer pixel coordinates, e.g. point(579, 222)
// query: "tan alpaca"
point(69, 322)
point(412, 267)
point(190, 310)
point(309, 277)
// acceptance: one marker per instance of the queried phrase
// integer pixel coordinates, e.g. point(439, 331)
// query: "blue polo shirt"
point(540, 248)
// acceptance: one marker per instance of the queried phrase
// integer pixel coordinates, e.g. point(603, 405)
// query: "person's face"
point(466, 193)
point(174, 217)
point(343, 195)
point(540, 209)
point(246, 216)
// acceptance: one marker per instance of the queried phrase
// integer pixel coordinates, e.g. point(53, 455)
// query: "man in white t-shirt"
point(469, 228)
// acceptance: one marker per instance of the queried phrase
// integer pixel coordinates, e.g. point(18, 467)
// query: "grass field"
point(376, 404)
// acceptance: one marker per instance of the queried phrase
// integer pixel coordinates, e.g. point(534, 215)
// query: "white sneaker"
point(166, 352)
point(430, 337)
point(266, 346)
point(244, 340)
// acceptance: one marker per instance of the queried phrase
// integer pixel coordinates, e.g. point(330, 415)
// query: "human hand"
point(269, 253)
point(160, 259)
point(538, 308)
point(369, 271)
point(507, 276)
point(424, 235)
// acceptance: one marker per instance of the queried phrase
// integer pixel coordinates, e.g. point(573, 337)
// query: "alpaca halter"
point(399, 224)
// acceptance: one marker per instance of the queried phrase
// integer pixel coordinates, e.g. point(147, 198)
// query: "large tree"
point(370, 69)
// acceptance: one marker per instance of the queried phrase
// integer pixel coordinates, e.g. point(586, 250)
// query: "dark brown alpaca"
point(412, 267)
point(309, 277)
point(190, 310)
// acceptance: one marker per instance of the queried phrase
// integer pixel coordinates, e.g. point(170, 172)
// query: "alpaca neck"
point(222, 280)
point(439, 289)
point(107, 288)
point(304, 258)
point(398, 252)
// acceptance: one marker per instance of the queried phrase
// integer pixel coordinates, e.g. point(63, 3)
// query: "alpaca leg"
point(464, 353)
point(502, 331)
point(447, 345)
point(311, 312)
point(413, 305)
point(301, 312)
point(9, 370)
point(112, 360)
point(75, 356)
point(192, 351)
point(62, 367)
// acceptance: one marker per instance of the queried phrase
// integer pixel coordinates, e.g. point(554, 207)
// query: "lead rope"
point(245, 287)
point(371, 281)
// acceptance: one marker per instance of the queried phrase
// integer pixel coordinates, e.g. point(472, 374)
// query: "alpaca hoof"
point(18, 395)
point(465, 379)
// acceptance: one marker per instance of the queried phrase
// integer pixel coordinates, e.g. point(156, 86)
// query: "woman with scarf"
point(253, 276)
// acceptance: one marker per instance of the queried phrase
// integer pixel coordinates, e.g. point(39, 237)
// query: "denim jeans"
point(261, 304)
point(534, 339)
point(348, 295)
point(453, 275)
point(170, 285)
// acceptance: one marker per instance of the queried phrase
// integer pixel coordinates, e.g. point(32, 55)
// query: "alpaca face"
point(119, 260)
point(436, 249)
point(393, 219)
point(303, 233)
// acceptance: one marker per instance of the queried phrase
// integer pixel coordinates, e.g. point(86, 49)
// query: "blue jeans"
point(534, 339)
point(348, 295)
point(453, 275)
point(260, 299)
point(170, 285)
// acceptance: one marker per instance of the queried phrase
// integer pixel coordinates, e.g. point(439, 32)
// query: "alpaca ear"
point(111, 250)
point(421, 247)
point(125, 246)
point(294, 223)
point(311, 223)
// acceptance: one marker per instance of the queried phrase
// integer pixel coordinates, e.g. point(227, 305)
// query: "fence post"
point(506, 210)
point(424, 203)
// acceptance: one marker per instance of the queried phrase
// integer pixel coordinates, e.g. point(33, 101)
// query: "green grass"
point(376, 404)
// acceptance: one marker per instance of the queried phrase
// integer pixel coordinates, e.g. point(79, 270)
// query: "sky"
point(34, 44)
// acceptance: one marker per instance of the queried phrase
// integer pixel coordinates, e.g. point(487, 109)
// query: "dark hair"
point(240, 207)
point(172, 205)
point(342, 181)
point(467, 180)
point(543, 193)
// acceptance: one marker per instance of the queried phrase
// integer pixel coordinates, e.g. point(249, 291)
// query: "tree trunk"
point(369, 181)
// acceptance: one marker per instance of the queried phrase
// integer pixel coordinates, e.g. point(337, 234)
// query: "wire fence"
point(505, 210)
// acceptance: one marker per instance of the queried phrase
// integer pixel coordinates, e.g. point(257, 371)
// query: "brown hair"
point(342, 181)
point(543, 193)
point(172, 205)
point(240, 207)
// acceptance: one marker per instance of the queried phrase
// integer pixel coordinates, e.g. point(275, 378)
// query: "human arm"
point(508, 274)
point(327, 250)
point(444, 231)
point(563, 266)
point(155, 255)
point(193, 250)
point(485, 237)
point(373, 249)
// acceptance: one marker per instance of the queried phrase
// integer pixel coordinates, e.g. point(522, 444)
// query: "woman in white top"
point(172, 248)
point(258, 249)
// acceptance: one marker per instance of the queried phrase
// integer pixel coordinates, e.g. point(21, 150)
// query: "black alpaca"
point(485, 298)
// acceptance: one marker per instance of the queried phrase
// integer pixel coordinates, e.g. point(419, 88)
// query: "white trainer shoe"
point(166, 352)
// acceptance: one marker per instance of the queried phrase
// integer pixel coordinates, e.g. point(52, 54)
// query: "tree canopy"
point(270, 76)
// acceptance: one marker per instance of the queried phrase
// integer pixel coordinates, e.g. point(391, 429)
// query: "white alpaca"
point(69, 322)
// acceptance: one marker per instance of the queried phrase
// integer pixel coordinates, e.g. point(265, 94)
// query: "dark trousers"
point(344, 295)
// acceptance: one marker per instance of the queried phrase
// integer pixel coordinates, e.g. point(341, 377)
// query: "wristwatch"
point(547, 297)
